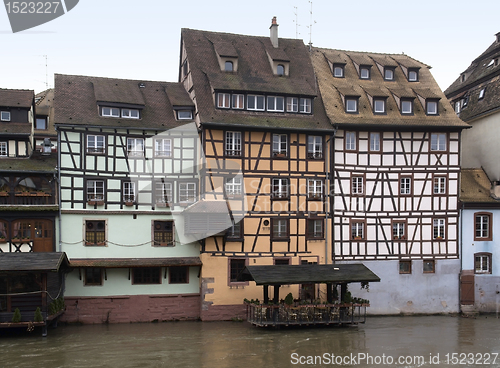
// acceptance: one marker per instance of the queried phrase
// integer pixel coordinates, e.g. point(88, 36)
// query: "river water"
point(421, 341)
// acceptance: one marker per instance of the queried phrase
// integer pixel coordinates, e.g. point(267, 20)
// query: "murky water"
point(418, 341)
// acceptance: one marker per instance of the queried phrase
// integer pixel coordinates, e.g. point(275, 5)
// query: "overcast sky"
point(141, 39)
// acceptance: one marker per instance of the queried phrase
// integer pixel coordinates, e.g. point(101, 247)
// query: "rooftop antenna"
point(296, 22)
point(46, 73)
point(311, 26)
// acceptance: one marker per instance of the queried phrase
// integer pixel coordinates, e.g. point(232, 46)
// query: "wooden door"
point(43, 236)
point(467, 289)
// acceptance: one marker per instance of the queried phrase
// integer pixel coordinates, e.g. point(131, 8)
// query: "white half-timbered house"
point(395, 177)
point(128, 164)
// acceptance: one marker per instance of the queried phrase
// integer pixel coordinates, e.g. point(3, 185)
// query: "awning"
point(33, 262)
point(307, 274)
point(135, 262)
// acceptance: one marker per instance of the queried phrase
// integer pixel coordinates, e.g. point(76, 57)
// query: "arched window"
point(228, 66)
point(280, 70)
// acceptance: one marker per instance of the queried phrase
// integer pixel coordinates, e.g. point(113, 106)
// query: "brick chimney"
point(274, 32)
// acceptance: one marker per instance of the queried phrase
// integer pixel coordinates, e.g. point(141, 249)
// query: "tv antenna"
point(296, 22)
point(46, 73)
point(311, 25)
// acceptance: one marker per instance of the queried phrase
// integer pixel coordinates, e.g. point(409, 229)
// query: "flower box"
point(95, 202)
point(129, 203)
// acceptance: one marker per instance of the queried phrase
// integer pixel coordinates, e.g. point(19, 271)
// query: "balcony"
point(27, 198)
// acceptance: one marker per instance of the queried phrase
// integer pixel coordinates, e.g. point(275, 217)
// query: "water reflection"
point(231, 344)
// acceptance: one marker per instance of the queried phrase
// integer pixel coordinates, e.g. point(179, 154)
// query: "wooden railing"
point(26, 198)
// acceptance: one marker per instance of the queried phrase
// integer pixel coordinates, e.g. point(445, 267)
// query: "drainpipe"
point(327, 192)
point(59, 185)
point(332, 195)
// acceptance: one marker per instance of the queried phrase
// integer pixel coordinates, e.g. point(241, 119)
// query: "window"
point(233, 187)
point(482, 226)
point(135, 147)
point(431, 107)
point(280, 70)
point(280, 229)
point(238, 101)
point(364, 72)
point(5, 116)
point(481, 93)
point(315, 189)
point(404, 267)
point(41, 123)
point(163, 194)
point(406, 107)
point(281, 261)
point(236, 265)
point(184, 114)
point(95, 232)
point(374, 141)
point(338, 71)
point(163, 147)
point(178, 275)
point(405, 186)
point(399, 230)
point(357, 185)
point(389, 73)
point(130, 113)
point(146, 275)
point(187, 192)
point(351, 104)
point(438, 141)
point(163, 233)
point(95, 191)
point(315, 229)
point(93, 276)
point(3, 149)
point(235, 232)
point(305, 105)
point(439, 185)
point(113, 112)
point(275, 103)
point(95, 144)
point(457, 107)
point(128, 191)
point(280, 145)
point(412, 75)
point(280, 188)
point(315, 147)
point(429, 266)
point(292, 104)
point(350, 141)
point(438, 226)
point(233, 143)
point(482, 263)
point(357, 230)
point(255, 102)
point(228, 66)
point(223, 100)
point(379, 105)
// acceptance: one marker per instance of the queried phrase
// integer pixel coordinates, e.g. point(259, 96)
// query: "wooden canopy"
point(307, 274)
point(33, 262)
point(136, 262)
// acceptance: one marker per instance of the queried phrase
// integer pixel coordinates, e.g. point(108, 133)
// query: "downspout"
point(332, 190)
point(327, 204)
point(58, 167)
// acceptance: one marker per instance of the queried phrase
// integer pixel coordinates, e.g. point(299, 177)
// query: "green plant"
point(38, 315)
point(16, 317)
point(289, 299)
point(347, 297)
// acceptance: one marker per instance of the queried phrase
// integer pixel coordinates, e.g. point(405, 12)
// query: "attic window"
point(111, 112)
point(389, 73)
point(351, 104)
point(280, 69)
point(406, 107)
point(491, 63)
point(379, 105)
point(431, 107)
point(338, 71)
point(41, 123)
point(184, 115)
point(130, 113)
point(481, 93)
point(364, 72)
point(228, 66)
point(412, 75)
point(5, 116)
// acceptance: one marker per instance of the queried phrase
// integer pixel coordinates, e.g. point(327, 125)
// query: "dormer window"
point(406, 107)
point(379, 105)
point(223, 100)
point(280, 69)
point(228, 66)
point(364, 72)
point(292, 104)
point(255, 102)
point(130, 113)
point(412, 75)
point(275, 103)
point(351, 105)
point(305, 105)
point(338, 71)
point(5, 116)
point(389, 73)
point(431, 107)
point(238, 101)
point(110, 112)
point(184, 114)
point(481, 93)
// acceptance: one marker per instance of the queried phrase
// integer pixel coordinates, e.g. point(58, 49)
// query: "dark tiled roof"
point(15, 128)
point(332, 89)
point(77, 98)
point(39, 164)
point(254, 75)
point(45, 107)
point(16, 98)
point(49, 261)
point(475, 187)
point(135, 262)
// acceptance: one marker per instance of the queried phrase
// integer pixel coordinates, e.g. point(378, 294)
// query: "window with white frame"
point(280, 187)
point(280, 228)
point(233, 187)
point(95, 144)
point(457, 107)
point(5, 115)
point(351, 104)
point(482, 263)
point(184, 114)
point(350, 141)
point(135, 147)
point(315, 189)
point(379, 105)
point(438, 141)
point(482, 226)
point(314, 146)
point(439, 185)
point(95, 190)
point(305, 105)
point(374, 141)
point(255, 102)
point(399, 230)
point(164, 195)
point(238, 101)
point(431, 107)
point(130, 113)
point(275, 103)
point(406, 107)
point(315, 229)
point(187, 192)
point(233, 144)
point(338, 71)
point(280, 69)
point(228, 66)
point(364, 72)
point(292, 104)
point(41, 123)
point(223, 100)
point(389, 73)
point(128, 191)
point(113, 112)
point(357, 230)
point(3, 149)
point(357, 185)
point(438, 228)
point(412, 75)
point(405, 186)
point(163, 147)
point(280, 145)
point(481, 93)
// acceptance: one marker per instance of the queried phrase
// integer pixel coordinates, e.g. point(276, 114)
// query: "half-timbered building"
point(128, 164)
point(260, 116)
point(395, 177)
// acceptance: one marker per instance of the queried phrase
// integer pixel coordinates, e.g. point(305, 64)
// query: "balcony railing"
point(27, 198)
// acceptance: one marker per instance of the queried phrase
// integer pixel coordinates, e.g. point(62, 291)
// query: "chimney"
point(274, 32)
point(498, 36)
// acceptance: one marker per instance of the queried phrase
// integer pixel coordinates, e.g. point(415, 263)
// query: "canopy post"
point(329, 292)
point(276, 294)
point(266, 294)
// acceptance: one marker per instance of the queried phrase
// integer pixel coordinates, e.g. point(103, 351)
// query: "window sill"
point(95, 203)
point(129, 203)
point(315, 197)
point(100, 244)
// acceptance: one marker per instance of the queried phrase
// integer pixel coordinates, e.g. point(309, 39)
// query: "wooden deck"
point(306, 315)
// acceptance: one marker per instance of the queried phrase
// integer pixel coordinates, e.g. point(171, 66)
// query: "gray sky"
point(141, 39)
